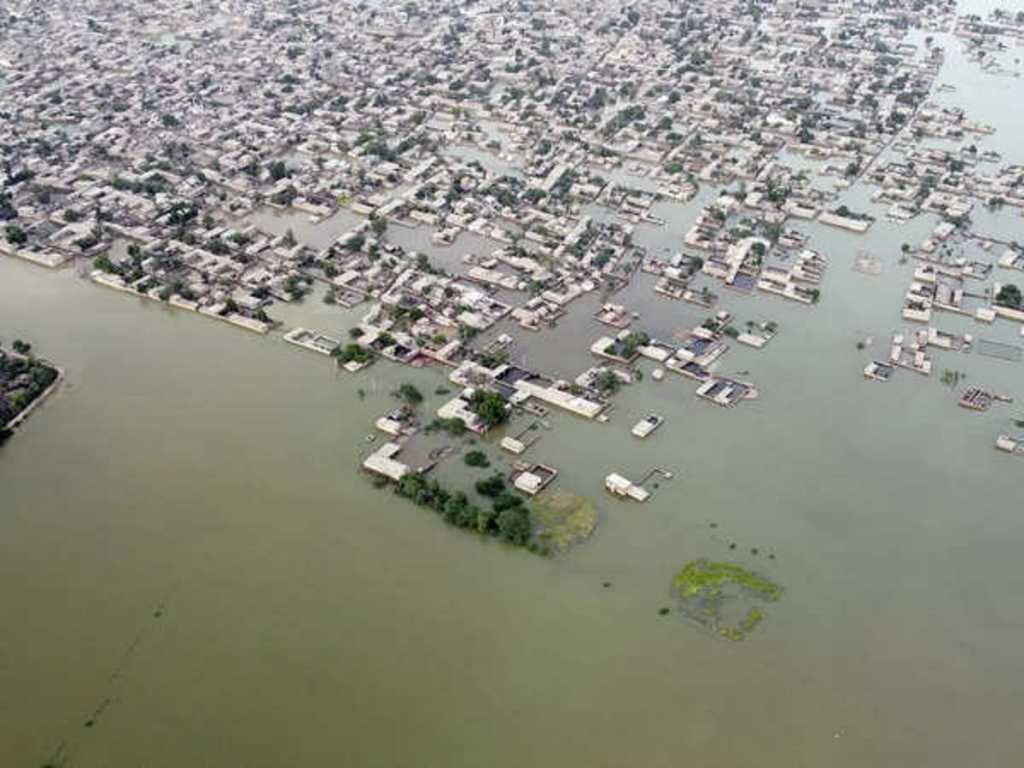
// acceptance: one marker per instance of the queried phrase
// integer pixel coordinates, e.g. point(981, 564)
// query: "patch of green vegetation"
point(508, 519)
point(453, 427)
point(492, 487)
point(409, 393)
point(1010, 296)
point(754, 617)
point(699, 575)
point(489, 406)
point(705, 587)
point(731, 633)
point(477, 459)
point(950, 377)
point(352, 353)
point(563, 519)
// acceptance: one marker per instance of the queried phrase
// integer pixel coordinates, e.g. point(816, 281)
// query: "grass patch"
point(563, 519)
point(710, 591)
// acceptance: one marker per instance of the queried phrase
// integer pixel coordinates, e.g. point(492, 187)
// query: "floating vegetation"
point(951, 378)
point(717, 595)
point(563, 519)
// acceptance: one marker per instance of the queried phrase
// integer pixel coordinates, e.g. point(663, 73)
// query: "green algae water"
point(192, 571)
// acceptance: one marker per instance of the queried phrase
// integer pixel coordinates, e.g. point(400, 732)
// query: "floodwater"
point(192, 571)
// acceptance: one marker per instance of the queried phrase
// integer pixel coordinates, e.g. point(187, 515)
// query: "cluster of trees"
point(489, 406)
point(607, 383)
point(7, 209)
point(631, 114)
point(15, 235)
point(1010, 296)
point(477, 459)
point(295, 287)
point(632, 342)
point(507, 520)
point(845, 212)
point(151, 186)
point(453, 427)
point(352, 353)
point(410, 394)
point(177, 287)
point(278, 170)
point(514, 521)
point(493, 359)
point(32, 377)
point(104, 264)
point(182, 213)
point(355, 243)
point(285, 196)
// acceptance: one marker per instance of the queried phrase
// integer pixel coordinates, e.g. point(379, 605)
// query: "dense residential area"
point(460, 181)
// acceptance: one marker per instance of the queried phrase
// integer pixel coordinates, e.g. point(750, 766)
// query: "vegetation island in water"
point(24, 379)
point(719, 596)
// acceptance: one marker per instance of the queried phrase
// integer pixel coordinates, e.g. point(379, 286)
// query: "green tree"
point(1009, 296)
point(489, 406)
point(477, 459)
point(410, 394)
point(492, 487)
point(277, 170)
point(514, 525)
point(15, 234)
point(607, 382)
point(103, 263)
